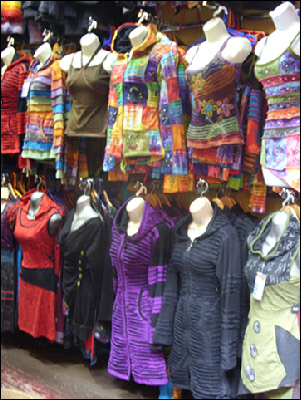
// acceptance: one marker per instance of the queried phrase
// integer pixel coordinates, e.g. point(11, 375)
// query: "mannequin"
point(202, 213)
point(278, 227)
point(89, 44)
point(236, 50)
point(135, 211)
point(138, 35)
point(84, 212)
point(55, 220)
point(43, 53)
point(287, 24)
point(7, 56)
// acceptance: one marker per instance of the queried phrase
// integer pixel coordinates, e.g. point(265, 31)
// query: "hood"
point(121, 44)
point(289, 240)
point(25, 202)
point(218, 221)
point(150, 219)
point(17, 59)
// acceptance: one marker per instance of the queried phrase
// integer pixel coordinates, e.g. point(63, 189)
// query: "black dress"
point(200, 314)
point(87, 282)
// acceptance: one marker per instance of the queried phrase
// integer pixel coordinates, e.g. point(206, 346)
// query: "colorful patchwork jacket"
point(145, 106)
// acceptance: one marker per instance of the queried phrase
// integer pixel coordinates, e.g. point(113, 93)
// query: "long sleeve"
point(164, 328)
point(157, 272)
point(228, 272)
point(22, 101)
point(58, 90)
point(171, 115)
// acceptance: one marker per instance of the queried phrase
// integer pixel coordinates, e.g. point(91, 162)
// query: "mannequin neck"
point(43, 54)
point(135, 210)
point(7, 55)
point(284, 16)
point(201, 211)
point(82, 204)
point(278, 225)
point(89, 44)
point(215, 30)
point(138, 36)
point(35, 202)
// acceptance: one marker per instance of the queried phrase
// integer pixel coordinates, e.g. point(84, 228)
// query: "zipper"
point(187, 302)
point(124, 312)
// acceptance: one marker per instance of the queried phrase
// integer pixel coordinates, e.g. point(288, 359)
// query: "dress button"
point(250, 373)
point(257, 327)
point(80, 262)
point(253, 351)
point(80, 269)
point(82, 253)
point(80, 276)
point(78, 283)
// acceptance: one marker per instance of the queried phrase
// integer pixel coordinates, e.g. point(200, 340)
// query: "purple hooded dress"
point(140, 269)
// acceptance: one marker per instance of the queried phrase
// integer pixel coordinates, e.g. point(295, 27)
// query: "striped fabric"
point(13, 107)
point(11, 11)
point(46, 114)
point(140, 266)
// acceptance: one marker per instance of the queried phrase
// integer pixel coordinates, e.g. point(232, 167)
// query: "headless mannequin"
point(277, 228)
point(89, 44)
point(287, 24)
point(55, 220)
point(43, 53)
point(7, 56)
point(236, 50)
point(84, 212)
point(202, 213)
point(135, 211)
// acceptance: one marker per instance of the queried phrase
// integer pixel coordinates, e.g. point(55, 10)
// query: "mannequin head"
point(138, 35)
point(7, 55)
point(135, 209)
point(43, 53)
point(201, 210)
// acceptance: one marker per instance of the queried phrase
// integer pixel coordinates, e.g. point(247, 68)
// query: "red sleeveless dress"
point(38, 278)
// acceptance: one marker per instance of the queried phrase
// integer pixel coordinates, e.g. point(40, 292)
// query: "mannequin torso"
point(7, 56)
point(55, 220)
point(135, 211)
point(43, 53)
point(83, 213)
point(236, 50)
point(202, 213)
point(89, 44)
point(278, 227)
point(287, 24)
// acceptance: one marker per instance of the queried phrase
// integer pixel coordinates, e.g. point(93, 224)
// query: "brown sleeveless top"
point(89, 89)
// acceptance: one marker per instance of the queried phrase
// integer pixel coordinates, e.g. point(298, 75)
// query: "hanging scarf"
point(277, 264)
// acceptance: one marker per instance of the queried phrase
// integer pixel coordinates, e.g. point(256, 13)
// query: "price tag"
point(259, 286)
point(25, 88)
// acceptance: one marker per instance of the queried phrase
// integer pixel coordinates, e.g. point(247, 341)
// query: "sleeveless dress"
point(215, 118)
point(280, 152)
point(38, 278)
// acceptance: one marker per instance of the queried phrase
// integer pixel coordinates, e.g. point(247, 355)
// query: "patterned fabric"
point(7, 237)
point(11, 11)
point(145, 107)
point(140, 265)
point(280, 152)
point(46, 111)
point(13, 107)
point(8, 290)
point(271, 348)
point(200, 315)
point(215, 120)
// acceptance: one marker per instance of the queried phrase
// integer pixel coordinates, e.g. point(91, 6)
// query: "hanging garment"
point(145, 107)
point(89, 89)
point(84, 279)
point(140, 264)
point(216, 118)
point(38, 279)
point(46, 108)
point(280, 150)
point(13, 107)
point(271, 348)
point(200, 315)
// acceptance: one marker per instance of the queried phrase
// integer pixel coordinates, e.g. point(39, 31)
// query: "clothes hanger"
point(142, 190)
point(286, 205)
point(218, 201)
